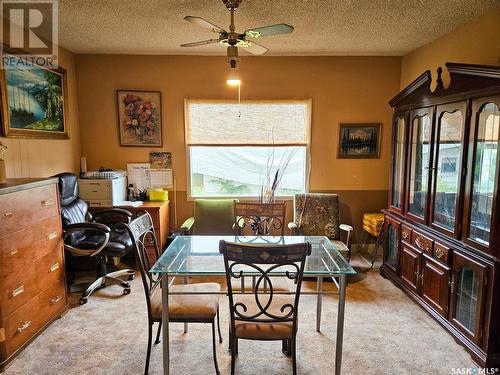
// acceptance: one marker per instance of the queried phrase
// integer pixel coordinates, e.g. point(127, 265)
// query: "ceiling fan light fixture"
point(233, 39)
point(233, 82)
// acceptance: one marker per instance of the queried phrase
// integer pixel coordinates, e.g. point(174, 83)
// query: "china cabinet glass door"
point(420, 153)
point(448, 166)
point(392, 246)
point(467, 293)
point(467, 286)
point(484, 173)
point(398, 163)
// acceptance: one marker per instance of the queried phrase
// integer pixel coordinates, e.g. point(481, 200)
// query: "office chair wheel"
point(82, 301)
point(126, 291)
point(131, 277)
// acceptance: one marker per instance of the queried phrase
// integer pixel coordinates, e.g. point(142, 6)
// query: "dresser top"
point(18, 184)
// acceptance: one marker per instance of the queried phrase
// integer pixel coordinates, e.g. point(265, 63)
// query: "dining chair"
point(187, 308)
point(318, 214)
point(264, 315)
point(259, 219)
point(211, 217)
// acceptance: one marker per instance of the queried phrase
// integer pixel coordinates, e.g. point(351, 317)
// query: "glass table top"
point(199, 255)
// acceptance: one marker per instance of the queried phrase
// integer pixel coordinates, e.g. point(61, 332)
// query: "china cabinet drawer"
point(405, 233)
point(24, 208)
point(422, 242)
point(441, 253)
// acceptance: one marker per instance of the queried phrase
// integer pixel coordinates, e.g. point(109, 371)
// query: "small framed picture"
point(359, 141)
point(139, 118)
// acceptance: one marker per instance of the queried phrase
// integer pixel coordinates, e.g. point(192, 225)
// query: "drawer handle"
point(405, 235)
point(55, 300)
point(439, 253)
point(54, 267)
point(8, 214)
point(18, 291)
point(24, 327)
point(51, 236)
point(48, 202)
point(13, 252)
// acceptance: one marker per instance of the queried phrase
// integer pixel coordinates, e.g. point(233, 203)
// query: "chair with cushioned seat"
point(317, 214)
point(265, 314)
point(211, 217)
point(187, 308)
point(93, 236)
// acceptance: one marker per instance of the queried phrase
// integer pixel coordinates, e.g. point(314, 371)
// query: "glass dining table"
point(198, 256)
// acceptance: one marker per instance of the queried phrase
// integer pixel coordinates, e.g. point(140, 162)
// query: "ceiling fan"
point(232, 39)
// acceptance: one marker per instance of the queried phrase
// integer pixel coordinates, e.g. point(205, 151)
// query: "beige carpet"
point(385, 333)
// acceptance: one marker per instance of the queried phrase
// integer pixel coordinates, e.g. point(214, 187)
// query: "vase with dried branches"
point(270, 183)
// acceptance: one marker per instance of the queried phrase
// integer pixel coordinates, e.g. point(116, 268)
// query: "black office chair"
point(93, 236)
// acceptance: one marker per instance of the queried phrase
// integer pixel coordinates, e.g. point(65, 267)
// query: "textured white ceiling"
point(322, 27)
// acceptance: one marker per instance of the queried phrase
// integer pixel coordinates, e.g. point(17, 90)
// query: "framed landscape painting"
point(33, 103)
point(359, 141)
point(139, 118)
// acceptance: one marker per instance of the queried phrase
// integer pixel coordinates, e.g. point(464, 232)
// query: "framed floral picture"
point(139, 118)
point(33, 103)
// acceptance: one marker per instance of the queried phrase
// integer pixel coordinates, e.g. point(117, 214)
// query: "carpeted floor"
point(385, 333)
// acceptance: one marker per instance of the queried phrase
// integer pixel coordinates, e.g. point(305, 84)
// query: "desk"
point(198, 256)
point(159, 212)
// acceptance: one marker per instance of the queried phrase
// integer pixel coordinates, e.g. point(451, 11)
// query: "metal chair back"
point(260, 219)
point(143, 235)
point(260, 261)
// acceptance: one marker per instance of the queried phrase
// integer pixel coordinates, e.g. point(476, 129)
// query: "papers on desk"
point(129, 204)
point(143, 177)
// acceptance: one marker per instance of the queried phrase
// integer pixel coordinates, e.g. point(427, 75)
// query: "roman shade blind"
point(278, 123)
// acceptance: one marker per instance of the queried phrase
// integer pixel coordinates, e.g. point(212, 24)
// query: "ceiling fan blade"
point(259, 32)
point(254, 48)
point(200, 43)
point(204, 23)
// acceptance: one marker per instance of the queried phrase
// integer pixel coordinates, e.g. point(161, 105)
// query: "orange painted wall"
point(42, 158)
point(343, 89)
point(477, 42)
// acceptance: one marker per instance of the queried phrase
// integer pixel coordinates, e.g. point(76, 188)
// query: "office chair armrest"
point(349, 229)
point(187, 226)
point(81, 227)
point(126, 215)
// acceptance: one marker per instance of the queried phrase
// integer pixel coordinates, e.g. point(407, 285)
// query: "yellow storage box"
point(372, 223)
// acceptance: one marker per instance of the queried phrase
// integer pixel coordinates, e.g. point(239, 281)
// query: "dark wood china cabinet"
point(442, 226)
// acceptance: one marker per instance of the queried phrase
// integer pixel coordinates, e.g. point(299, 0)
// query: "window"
point(449, 165)
point(238, 149)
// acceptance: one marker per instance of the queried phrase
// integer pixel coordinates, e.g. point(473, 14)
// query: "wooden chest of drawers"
point(32, 278)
